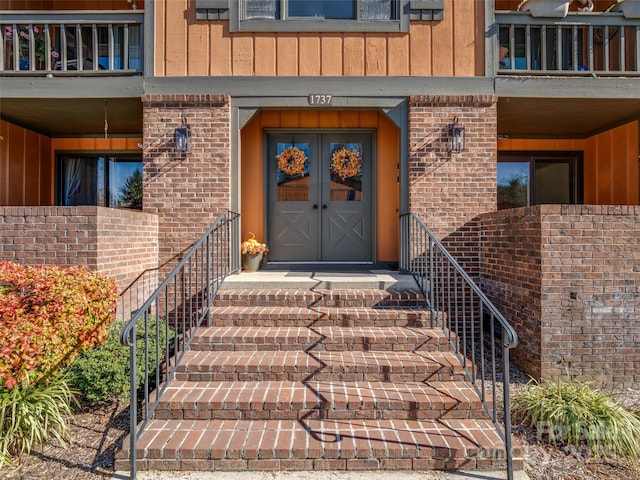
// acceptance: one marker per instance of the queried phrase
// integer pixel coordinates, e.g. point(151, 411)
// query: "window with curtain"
point(106, 181)
point(526, 179)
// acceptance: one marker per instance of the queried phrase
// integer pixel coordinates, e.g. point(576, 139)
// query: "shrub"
point(31, 413)
point(104, 371)
point(48, 315)
point(574, 412)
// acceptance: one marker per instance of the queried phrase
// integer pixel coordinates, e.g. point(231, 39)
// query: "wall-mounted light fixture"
point(455, 137)
point(182, 136)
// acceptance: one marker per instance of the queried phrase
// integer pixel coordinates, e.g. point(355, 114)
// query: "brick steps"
point(319, 380)
point(299, 366)
point(316, 338)
point(267, 316)
point(319, 400)
point(320, 298)
point(319, 445)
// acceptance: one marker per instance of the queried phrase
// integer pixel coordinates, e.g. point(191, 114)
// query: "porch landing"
point(310, 371)
point(318, 279)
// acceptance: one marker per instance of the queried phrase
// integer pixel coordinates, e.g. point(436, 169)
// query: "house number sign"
point(320, 99)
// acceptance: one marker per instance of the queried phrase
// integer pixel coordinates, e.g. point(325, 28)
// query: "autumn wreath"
point(346, 162)
point(291, 161)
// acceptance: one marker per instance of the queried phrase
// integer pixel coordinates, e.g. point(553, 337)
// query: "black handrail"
point(171, 316)
point(471, 322)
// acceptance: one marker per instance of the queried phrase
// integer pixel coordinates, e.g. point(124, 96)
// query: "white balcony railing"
point(579, 44)
point(71, 43)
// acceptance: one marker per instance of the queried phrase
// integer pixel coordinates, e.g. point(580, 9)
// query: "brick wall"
point(186, 191)
point(118, 243)
point(449, 190)
point(568, 278)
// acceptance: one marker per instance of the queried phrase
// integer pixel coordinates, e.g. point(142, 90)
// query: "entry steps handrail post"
point(474, 326)
point(168, 320)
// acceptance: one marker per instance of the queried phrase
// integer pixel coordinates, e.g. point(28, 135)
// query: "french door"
point(319, 197)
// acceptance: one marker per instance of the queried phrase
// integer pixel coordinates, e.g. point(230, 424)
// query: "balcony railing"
point(71, 43)
point(603, 44)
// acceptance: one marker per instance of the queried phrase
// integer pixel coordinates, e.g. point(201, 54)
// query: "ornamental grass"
point(576, 413)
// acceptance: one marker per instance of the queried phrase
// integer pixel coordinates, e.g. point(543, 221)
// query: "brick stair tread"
point(286, 399)
point(319, 338)
point(319, 297)
point(323, 365)
point(457, 442)
point(275, 315)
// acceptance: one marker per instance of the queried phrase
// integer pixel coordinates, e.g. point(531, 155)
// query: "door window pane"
point(552, 182)
point(513, 184)
point(292, 163)
point(125, 183)
point(346, 171)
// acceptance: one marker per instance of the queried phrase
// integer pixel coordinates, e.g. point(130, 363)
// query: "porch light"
point(182, 137)
point(455, 137)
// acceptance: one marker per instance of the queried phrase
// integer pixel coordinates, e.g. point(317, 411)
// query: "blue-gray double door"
point(319, 197)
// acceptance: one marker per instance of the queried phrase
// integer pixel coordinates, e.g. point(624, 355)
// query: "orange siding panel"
point(309, 119)
point(420, 49)
point(198, 46)
point(32, 161)
point(443, 47)
point(242, 59)
point(331, 55)
point(387, 191)
point(176, 38)
point(353, 60)
point(309, 55)
point(4, 163)
point(590, 173)
point(398, 58)
point(464, 50)
point(15, 183)
point(265, 55)
point(375, 55)
point(220, 48)
point(287, 54)
point(159, 39)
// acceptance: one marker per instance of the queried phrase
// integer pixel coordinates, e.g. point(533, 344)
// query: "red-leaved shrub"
point(48, 315)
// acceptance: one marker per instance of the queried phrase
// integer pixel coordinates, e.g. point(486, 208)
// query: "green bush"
point(104, 371)
point(32, 413)
point(575, 413)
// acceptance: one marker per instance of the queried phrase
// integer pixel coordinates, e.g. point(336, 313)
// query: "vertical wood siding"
point(387, 148)
point(610, 162)
point(186, 47)
point(25, 167)
point(27, 162)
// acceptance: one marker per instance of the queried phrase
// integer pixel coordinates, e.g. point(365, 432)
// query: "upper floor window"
point(318, 15)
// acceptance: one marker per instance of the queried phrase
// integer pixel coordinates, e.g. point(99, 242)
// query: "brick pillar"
point(449, 190)
point(187, 191)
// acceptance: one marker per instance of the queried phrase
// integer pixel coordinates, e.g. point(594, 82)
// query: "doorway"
point(319, 197)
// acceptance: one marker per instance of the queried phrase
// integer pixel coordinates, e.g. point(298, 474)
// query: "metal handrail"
point(602, 43)
point(179, 306)
point(472, 323)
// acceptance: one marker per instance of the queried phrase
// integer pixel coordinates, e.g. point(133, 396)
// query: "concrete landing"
point(309, 280)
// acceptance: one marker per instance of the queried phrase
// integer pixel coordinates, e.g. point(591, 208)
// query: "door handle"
point(315, 207)
point(324, 207)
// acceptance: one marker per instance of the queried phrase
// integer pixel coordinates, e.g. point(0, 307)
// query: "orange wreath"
point(346, 162)
point(291, 161)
